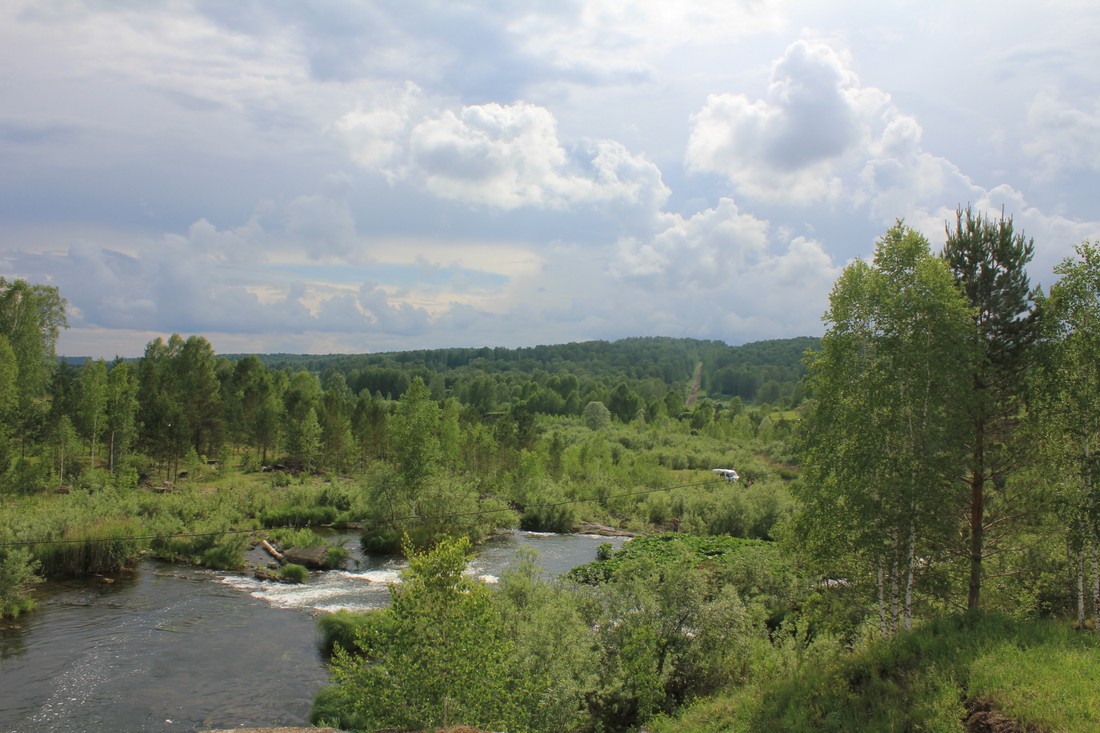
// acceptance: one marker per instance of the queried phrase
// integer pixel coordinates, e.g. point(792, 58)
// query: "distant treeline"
point(763, 371)
point(182, 403)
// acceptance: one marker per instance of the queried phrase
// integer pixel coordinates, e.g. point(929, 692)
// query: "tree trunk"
point(977, 517)
point(882, 597)
point(1079, 567)
point(895, 595)
point(909, 578)
point(95, 433)
point(1095, 587)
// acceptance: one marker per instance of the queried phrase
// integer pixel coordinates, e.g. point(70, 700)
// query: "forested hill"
point(768, 370)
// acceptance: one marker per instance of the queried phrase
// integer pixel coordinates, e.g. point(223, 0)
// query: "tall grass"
point(1051, 683)
point(1039, 674)
point(100, 545)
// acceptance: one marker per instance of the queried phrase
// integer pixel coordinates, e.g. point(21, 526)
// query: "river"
point(174, 648)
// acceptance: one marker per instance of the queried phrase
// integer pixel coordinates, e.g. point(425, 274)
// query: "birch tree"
point(31, 318)
point(882, 437)
point(121, 413)
point(1070, 413)
point(92, 402)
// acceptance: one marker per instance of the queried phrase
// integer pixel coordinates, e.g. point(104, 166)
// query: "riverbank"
point(195, 649)
point(459, 729)
point(274, 730)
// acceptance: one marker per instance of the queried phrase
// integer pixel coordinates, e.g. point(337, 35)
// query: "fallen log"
point(273, 552)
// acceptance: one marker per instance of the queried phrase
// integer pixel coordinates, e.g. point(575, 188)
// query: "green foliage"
point(304, 440)
point(227, 552)
point(414, 435)
point(553, 661)
point(546, 509)
point(436, 657)
point(335, 556)
point(340, 629)
point(989, 261)
point(664, 548)
point(596, 416)
point(18, 574)
point(121, 413)
point(1036, 674)
point(1066, 411)
point(291, 573)
point(885, 435)
point(548, 657)
point(332, 708)
point(1050, 684)
point(31, 319)
point(92, 405)
point(90, 546)
point(669, 631)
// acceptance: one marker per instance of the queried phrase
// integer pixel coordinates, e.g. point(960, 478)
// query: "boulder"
point(311, 557)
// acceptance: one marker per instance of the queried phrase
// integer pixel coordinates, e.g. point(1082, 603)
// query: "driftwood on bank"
point(273, 552)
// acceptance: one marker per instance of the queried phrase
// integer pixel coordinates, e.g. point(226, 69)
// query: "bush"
point(332, 708)
point(249, 463)
point(547, 511)
point(226, 554)
point(340, 629)
point(17, 576)
point(291, 573)
point(380, 540)
point(336, 496)
point(335, 556)
point(298, 516)
point(101, 546)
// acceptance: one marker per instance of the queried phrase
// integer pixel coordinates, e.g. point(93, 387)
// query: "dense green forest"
point(911, 544)
point(427, 443)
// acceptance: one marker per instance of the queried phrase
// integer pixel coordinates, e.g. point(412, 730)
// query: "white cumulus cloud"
point(793, 145)
point(504, 156)
point(731, 271)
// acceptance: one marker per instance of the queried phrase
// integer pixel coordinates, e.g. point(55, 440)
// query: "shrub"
point(291, 573)
point(104, 545)
point(226, 554)
point(298, 516)
point(380, 540)
point(249, 463)
point(336, 496)
point(332, 708)
point(340, 629)
point(17, 576)
point(335, 556)
point(548, 512)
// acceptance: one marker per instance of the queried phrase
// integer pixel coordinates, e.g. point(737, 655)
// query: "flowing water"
point(173, 648)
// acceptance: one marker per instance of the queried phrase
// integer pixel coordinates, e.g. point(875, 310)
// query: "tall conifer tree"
point(988, 259)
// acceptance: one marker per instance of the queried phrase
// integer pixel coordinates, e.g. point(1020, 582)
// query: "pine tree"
point(988, 259)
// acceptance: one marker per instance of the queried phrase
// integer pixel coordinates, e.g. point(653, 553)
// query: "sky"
point(353, 177)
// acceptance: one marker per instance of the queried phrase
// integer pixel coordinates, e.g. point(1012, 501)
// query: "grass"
point(291, 573)
point(1040, 674)
point(1049, 685)
point(89, 530)
point(339, 629)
